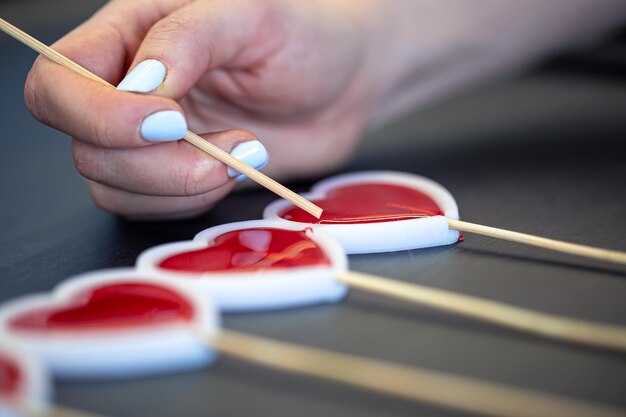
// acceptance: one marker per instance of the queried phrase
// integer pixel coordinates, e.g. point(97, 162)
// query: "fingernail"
point(145, 77)
point(252, 153)
point(163, 126)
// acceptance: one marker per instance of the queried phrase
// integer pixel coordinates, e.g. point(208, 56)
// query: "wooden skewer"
point(547, 325)
point(190, 137)
point(441, 389)
point(412, 383)
point(542, 242)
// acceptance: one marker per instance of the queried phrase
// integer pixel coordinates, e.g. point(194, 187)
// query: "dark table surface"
point(542, 153)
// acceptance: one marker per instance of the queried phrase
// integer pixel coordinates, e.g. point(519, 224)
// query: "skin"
point(306, 78)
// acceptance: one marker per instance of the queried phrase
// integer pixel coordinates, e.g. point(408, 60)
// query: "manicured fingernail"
point(145, 77)
point(163, 126)
point(252, 153)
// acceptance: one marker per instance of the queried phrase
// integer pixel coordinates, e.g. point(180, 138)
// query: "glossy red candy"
point(108, 306)
point(10, 378)
point(250, 250)
point(368, 203)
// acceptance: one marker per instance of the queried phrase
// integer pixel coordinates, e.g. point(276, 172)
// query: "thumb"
point(182, 47)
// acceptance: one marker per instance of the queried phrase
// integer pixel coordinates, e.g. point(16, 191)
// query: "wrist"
point(422, 50)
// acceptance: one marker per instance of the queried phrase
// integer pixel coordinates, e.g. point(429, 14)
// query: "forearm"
point(425, 49)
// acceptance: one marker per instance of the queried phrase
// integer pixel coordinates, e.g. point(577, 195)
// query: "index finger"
point(87, 110)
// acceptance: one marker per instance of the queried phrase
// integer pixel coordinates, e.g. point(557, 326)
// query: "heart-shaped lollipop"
point(260, 265)
point(254, 265)
point(377, 212)
point(112, 323)
point(24, 385)
point(390, 211)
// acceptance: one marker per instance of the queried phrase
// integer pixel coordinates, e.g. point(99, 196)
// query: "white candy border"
point(128, 352)
point(35, 393)
point(251, 291)
point(383, 236)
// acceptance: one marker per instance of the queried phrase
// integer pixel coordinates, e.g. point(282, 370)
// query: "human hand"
point(306, 77)
point(291, 72)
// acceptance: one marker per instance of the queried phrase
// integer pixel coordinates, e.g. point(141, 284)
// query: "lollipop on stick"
point(384, 211)
point(101, 324)
point(25, 388)
point(262, 264)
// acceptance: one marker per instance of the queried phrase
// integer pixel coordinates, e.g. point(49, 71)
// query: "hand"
point(291, 72)
point(307, 77)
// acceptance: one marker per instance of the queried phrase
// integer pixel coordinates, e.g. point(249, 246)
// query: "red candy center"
point(251, 250)
point(368, 203)
point(119, 305)
point(10, 377)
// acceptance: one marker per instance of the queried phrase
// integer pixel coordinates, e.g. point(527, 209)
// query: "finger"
point(148, 207)
point(84, 109)
point(204, 35)
point(170, 169)
point(100, 115)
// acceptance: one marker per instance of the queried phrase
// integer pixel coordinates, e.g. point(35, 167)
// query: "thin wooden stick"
point(190, 137)
point(547, 325)
point(444, 390)
point(542, 242)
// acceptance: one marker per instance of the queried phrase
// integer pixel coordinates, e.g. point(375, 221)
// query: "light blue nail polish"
point(252, 153)
point(145, 77)
point(242, 177)
point(164, 126)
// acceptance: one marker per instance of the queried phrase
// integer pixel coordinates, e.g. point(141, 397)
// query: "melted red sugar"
point(368, 203)
point(119, 305)
point(10, 378)
point(250, 250)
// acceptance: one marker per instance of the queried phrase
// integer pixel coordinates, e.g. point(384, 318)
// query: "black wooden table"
point(541, 153)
